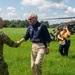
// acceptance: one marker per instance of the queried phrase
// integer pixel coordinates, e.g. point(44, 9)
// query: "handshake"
point(21, 41)
point(18, 42)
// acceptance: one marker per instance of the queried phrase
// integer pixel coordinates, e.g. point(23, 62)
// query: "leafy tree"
point(6, 23)
point(46, 23)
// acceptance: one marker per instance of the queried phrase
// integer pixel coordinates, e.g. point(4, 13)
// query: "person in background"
point(4, 39)
point(40, 38)
point(64, 41)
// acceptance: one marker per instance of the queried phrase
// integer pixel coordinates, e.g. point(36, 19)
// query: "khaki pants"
point(38, 50)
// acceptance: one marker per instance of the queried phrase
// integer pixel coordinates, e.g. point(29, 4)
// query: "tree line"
point(20, 23)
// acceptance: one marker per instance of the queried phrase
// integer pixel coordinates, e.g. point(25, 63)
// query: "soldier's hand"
point(19, 42)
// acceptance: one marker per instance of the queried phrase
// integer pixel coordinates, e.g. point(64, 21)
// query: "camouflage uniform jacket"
point(4, 39)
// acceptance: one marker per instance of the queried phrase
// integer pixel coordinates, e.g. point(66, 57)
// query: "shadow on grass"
point(73, 56)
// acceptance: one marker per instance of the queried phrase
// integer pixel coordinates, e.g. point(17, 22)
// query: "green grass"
point(19, 62)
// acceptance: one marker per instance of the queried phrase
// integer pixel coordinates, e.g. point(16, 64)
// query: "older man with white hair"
point(40, 38)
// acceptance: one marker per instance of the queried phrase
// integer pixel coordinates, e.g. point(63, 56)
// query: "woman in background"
point(64, 41)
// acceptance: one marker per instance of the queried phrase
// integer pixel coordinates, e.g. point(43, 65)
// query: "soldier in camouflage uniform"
point(4, 39)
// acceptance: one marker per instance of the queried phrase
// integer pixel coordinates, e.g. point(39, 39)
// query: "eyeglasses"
point(30, 18)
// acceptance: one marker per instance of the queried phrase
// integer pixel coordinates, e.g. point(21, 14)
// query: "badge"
point(38, 28)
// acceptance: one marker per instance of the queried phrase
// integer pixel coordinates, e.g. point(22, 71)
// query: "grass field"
point(18, 59)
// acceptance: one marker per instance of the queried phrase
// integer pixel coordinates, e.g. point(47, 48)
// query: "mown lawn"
point(18, 59)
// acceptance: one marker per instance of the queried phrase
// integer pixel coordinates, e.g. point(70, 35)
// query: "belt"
point(39, 42)
point(36, 42)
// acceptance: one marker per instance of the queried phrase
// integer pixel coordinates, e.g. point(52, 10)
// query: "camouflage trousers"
point(3, 66)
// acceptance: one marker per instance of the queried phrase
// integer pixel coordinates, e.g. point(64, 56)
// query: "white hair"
point(33, 15)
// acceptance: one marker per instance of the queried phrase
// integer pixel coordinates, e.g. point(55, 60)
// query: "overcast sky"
point(19, 9)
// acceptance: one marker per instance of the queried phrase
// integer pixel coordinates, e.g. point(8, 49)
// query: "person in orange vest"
point(64, 41)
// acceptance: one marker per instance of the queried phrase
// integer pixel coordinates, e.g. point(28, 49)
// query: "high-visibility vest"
point(63, 35)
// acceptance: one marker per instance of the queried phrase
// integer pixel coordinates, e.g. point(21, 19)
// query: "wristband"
point(47, 47)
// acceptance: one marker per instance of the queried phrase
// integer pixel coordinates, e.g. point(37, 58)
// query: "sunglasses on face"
point(31, 18)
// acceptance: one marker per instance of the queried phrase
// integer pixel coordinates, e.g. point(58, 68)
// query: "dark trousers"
point(63, 49)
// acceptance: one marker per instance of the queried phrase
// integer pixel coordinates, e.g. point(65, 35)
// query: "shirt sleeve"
point(46, 34)
point(8, 41)
point(26, 37)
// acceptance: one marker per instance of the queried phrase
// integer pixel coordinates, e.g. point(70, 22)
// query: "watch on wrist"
point(48, 47)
